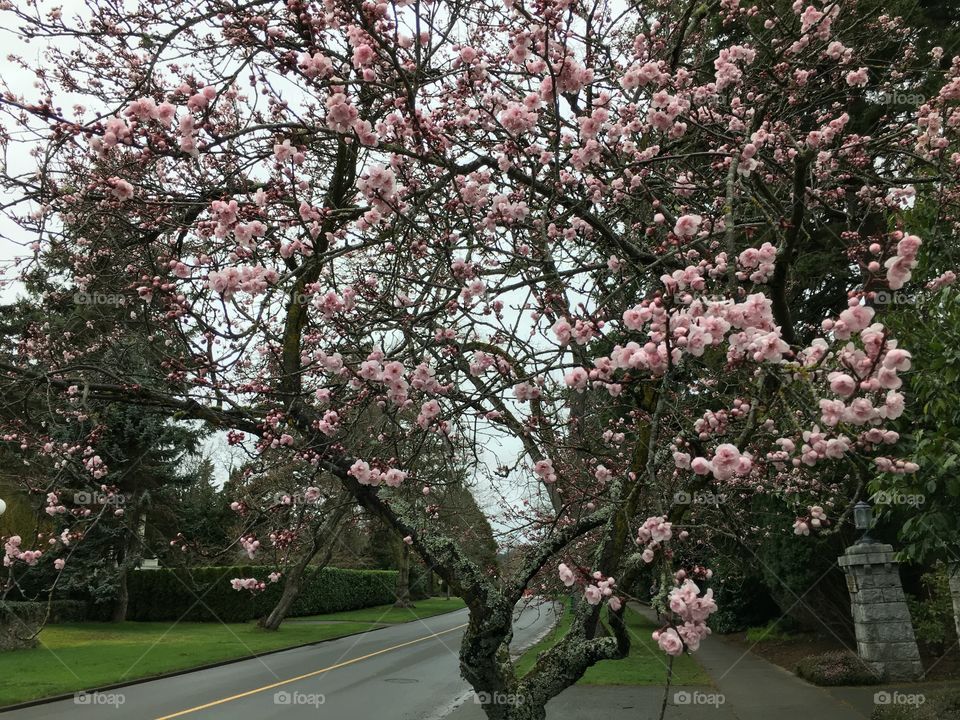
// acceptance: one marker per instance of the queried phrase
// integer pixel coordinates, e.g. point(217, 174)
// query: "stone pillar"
point(953, 570)
point(885, 636)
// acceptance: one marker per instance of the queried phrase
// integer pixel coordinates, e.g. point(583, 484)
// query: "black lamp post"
point(863, 520)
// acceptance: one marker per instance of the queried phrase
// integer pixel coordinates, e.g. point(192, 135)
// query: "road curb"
point(558, 616)
point(197, 668)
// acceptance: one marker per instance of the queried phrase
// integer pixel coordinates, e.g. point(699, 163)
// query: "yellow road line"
point(306, 675)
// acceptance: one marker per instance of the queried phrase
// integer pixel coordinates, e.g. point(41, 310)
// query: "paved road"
point(403, 672)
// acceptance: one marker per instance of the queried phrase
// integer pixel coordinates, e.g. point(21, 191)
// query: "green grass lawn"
point(772, 631)
point(389, 614)
point(87, 655)
point(645, 665)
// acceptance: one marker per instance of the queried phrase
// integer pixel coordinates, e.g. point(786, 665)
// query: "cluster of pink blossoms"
point(397, 381)
point(758, 260)
point(251, 584)
point(366, 475)
point(715, 423)
point(332, 303)
point(12, 552)
point(250, 279)
point(748, 327)
point(317, 65)
point(392, 375)
point(816, 519)
point(379, 186)
point(95, 465)
point(544, 470)
point(580, 332)
point(526, 391)
point(54, 507)
point(250, 544)
point(596, 588)
point(899, 266)
point(947, 278)
point(519, 118)
point(121, 189)
point(692, 610)
point(343, 116)
point(225, 213)
point(428, 412)
point(654, 532)
point(727, 461)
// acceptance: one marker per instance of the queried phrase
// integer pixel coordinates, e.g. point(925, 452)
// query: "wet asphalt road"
point(403, 672)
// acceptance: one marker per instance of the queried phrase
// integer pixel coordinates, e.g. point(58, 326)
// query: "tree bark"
point(403, 578)
point(127, 556)
point(122, 602)
point(291, 589)
point(293, 578)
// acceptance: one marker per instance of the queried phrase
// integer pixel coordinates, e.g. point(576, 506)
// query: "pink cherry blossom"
point(669, 641)
point(687, 225)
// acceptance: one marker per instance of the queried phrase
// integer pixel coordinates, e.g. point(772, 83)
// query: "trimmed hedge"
point(66, 611)
point(19, 624)
point(61, 611)
point(204, 594)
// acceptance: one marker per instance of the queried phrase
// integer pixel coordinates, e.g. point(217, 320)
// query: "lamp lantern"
point(863, 520)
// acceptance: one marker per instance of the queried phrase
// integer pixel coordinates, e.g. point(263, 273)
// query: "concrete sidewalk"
point(586, 702)
point(747, 687)
point(756, 689)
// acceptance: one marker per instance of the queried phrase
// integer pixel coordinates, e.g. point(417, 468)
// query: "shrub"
point(782, 629)
point(742, 597)
point(419, 579)
point(932, 613)
point(939, 705)
point(837, 667)
point(903, 712)
point(204, 594)
point(806, 567)
point(19, 624)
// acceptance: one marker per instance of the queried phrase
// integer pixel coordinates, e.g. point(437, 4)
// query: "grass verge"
point(81, 656)
point(389, 614)
point(645, 665)
point(87, 655)
point(773, 631)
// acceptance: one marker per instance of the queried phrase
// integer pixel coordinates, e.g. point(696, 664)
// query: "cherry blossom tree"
point(573, 236)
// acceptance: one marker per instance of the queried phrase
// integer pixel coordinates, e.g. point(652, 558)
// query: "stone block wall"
point(884, 630)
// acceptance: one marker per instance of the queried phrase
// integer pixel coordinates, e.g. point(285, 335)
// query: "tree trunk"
point(323, 536)
point(291, 588)
point(403, 578)
point(120, 605)
point(127, 556)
